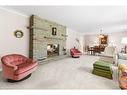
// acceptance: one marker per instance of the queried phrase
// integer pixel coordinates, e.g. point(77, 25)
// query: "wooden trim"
point(52, 38)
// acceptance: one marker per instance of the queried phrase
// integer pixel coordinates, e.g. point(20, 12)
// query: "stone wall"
point(41, 35)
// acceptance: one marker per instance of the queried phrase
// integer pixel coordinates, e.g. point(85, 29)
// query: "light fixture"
point(101, 35)
point(124, 41)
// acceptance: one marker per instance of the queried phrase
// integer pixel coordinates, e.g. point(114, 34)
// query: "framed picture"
point(104, 40)
point(18, 34)
point(54, 30)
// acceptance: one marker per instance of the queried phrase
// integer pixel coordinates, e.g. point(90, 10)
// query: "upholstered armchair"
point(16, 67)
point(109, 54)
point(75, 53)
point(122, 76)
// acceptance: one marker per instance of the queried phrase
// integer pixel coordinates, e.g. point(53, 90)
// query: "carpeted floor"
point(68, 73)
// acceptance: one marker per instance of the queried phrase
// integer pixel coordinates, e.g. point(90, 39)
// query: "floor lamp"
point(124, 41)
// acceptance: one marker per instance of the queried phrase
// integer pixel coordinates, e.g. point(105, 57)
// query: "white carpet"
point(68, 73)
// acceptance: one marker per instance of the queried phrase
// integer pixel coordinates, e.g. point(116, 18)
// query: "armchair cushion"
point(25, 67)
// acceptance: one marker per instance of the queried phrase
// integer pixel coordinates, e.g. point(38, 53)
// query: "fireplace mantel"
point(39, 28)
point(53, 38)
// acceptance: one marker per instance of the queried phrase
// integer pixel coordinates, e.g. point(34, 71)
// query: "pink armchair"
point(17, 67)
point(75, 53)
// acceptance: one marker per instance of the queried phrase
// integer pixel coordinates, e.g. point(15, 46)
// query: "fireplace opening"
point(52, 50)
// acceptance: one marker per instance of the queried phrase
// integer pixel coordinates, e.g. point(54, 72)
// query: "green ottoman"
point(103, 69)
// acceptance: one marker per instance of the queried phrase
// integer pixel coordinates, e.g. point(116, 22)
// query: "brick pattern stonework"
point(41, 35)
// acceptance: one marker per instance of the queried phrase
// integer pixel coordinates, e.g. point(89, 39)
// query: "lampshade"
point(124, 40)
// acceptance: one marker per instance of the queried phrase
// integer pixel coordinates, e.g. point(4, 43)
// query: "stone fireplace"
point(47, 39)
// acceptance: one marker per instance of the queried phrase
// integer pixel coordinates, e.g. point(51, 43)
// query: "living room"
point(38, 33)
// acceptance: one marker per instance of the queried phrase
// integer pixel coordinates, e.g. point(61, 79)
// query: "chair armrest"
point(71, 52)
point(116, 59)
point(11, 67)
point(8, 70)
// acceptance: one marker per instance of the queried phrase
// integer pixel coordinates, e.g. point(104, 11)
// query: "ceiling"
point(84, 19)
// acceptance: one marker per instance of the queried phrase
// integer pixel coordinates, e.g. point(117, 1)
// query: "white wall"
point(71, 39)
point(9, 22)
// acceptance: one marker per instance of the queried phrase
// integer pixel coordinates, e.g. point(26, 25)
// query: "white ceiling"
point(85, 19)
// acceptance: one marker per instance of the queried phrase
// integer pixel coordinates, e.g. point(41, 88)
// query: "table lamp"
point(124, 41)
